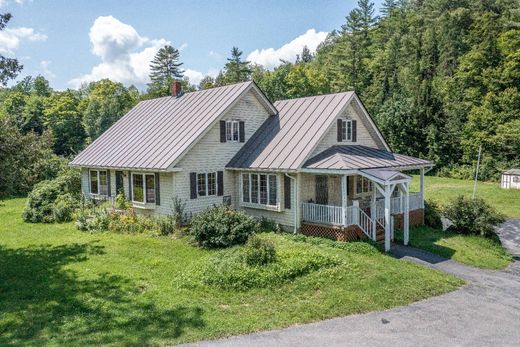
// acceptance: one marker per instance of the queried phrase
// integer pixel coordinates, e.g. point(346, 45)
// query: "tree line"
point(440, 78)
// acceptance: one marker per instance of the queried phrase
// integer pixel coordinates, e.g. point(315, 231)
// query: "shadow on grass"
point(41, 300)
point(426, 238)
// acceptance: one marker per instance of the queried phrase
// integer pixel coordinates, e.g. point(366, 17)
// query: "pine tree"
point(237, 70)
point(164, 68)
point(306, 55)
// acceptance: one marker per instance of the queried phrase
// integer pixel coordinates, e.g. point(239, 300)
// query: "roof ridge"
point(315, 96)
point(199, 91)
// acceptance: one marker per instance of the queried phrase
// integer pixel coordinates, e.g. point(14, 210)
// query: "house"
point(318, 165)
point(510, 179)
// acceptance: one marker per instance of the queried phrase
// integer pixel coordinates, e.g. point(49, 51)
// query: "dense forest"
point(440, 77)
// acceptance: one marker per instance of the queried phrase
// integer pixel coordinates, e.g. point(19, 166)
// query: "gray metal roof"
point(512, 172)
point(285, 140)
point(156, 133)
point(352, 157)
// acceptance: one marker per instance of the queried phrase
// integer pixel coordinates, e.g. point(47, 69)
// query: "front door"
point(322, 190)
point(119, 183)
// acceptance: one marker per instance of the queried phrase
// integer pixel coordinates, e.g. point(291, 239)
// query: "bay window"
point(98, 182)
point(260, 189)
point(143, 188)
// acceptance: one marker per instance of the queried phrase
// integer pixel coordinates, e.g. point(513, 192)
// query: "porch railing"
point(397, 205)
point(326, 214)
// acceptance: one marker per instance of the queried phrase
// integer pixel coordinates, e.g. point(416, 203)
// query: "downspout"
point(295, 203)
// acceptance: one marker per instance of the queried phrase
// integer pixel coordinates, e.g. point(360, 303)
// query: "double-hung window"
point(98, 182)
point(232, 130)
point(143, 188)
point(346, 130)
point(260, 189)
point(207, 184)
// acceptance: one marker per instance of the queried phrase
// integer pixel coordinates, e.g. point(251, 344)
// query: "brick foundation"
point(416, 219)
point(350, 233)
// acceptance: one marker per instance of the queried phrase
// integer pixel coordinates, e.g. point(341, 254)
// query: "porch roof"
point(357, 157)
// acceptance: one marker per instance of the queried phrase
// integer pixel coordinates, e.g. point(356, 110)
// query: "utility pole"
point(476, 173)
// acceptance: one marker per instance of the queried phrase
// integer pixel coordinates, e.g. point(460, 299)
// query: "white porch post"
point(387, 218)
point(406, 214)
point(422, 187)
point(355, 212)
point(373, 212)
point(344, 199)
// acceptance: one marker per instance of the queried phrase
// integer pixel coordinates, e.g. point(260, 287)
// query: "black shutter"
point(287, 192)
point(242, 131)
point(109, 188)
point(354, 130)
point(220, 183)
point(222, 131)
point(193, 185)
point(157, 189)
point(130, 186)
point(340, 130)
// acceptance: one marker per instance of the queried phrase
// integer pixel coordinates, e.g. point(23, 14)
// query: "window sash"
point(232, 131)
point(98, 182)
point(260, 189)
point(137, 188)
point(143, 188)
point(103, 183)
point(94, 182)
point(346, 134)
point(207, 184)
point(363, 185)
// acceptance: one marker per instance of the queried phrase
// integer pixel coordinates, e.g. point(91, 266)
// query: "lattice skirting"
point(416, 219)
point(350, 233)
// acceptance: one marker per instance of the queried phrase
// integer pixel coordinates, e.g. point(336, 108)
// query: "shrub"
point(165, 225)
point(222, 226)
point(53, 200)
point(122, 202)
point(178, 208)
point(472, 216)
point(432, 215)
point(258, 251)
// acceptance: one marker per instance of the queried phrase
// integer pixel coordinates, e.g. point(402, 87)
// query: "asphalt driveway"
point(484, 312)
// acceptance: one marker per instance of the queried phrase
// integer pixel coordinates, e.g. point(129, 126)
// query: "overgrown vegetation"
point(432, 214)
point(472, 216)
point(54, 200)
point(222, 226)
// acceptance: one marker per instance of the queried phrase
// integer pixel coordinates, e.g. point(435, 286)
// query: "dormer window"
point(232, 131)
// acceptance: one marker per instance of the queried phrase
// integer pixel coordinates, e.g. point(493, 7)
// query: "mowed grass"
point(478, 251)
point(60, 286)
point(441, 189)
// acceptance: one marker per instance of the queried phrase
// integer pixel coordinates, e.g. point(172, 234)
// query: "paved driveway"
point(509, 233)
point(485, 312)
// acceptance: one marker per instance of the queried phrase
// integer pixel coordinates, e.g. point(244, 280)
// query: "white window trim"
point(363, 193)
point(143, 204)
point(276, 207)
point(232, 124)
point(97, 195)
point(346, 135)
point(207, 186)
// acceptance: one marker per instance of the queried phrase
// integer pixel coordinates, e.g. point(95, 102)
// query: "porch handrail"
point(365, 224)
point(326, 214)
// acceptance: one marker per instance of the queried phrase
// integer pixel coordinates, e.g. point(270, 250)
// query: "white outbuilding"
point(511, 179)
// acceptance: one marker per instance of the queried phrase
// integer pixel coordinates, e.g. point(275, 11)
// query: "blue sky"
point(72, 42)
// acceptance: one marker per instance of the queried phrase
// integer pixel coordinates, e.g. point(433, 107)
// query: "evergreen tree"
point(164, 68)
point(237, 70)
point(306, 55)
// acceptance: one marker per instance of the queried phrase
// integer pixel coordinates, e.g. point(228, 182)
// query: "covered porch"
point(366, 193)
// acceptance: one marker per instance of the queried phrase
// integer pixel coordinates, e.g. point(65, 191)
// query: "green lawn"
point(441, 189)
point(60, 286)
point(468, 249)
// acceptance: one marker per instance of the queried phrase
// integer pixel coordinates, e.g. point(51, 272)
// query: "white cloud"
point(194, 76)
point(10, 38)
point(4, 3)
point(44, 64)
point(270, 57)
point(125, 55)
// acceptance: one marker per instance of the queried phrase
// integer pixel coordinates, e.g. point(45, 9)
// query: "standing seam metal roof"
point(285, 140)
point(352, 157)
point(156, 133)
